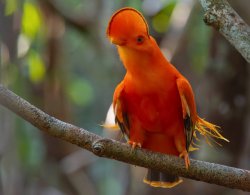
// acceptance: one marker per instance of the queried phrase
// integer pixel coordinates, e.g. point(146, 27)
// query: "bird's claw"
point(134, 144)
point(184, 155)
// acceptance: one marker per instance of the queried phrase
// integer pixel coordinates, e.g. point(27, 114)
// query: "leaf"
point(36, 67)
point(31, 20)
point(80, 92)
point(10, 7)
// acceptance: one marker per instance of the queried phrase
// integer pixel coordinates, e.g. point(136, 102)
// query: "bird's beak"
point(117, 41)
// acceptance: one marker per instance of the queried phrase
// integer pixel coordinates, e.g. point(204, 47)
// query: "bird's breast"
point(156, 110)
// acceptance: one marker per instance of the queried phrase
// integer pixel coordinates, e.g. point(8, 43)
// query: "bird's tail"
point(158, 179)
point(209, 131)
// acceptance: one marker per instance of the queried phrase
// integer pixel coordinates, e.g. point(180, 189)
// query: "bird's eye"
point(140, 39)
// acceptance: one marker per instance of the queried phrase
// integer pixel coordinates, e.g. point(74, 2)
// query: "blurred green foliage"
point(11, 6)
point(36, 67)
point(31, 20)
point(199, 49)
point(30, 146)
point(80, 92)
point(161, 20)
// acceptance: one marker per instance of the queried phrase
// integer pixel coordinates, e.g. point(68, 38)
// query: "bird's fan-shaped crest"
point(127, 13)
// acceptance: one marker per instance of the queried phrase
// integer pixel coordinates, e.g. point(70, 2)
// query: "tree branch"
point(223, 18)
point(199, 170)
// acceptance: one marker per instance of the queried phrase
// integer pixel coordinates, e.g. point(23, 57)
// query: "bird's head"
point(128, 28)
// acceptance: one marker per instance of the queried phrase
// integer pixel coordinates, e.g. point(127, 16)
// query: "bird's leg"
point(181, 147)
point(184, 155)
point(136, 136)
point(134, 144)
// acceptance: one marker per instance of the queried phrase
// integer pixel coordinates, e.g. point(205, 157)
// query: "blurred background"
point(55, 54)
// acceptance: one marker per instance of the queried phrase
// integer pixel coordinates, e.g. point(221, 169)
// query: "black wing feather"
point(189, 129)
point(124, 126)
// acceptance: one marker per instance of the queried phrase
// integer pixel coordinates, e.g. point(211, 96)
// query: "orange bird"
point(154, 104)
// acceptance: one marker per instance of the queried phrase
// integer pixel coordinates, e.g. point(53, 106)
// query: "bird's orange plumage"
point(154, 104)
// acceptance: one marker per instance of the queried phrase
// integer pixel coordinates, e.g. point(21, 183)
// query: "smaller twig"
point(223, 18)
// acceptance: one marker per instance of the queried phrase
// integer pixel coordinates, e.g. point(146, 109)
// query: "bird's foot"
point(134, 144)
point(184, 155)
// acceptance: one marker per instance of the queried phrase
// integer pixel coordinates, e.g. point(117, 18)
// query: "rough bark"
point(220, 15)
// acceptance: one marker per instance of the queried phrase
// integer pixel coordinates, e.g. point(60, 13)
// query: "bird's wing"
point(188, 109)
point(121, 116)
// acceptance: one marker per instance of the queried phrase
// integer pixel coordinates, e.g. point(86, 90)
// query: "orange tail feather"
point(158, 179)
point(209, 131)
